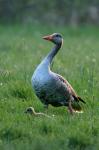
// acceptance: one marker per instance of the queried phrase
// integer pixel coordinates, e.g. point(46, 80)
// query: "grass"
point(21, 50)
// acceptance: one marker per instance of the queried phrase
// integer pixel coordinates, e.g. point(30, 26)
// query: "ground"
point(21, 50)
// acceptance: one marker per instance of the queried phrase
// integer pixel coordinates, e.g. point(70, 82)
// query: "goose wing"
point(70, 88)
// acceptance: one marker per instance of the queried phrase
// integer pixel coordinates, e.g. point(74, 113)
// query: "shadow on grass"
point(79, 144)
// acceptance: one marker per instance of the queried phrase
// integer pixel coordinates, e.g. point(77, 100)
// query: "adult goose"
point(52, 88)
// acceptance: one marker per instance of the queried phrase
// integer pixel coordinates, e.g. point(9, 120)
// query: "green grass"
point(21, 50)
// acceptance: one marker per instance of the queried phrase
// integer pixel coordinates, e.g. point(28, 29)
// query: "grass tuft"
point(21, 90)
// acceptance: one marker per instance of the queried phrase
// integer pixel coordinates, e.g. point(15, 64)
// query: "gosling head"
point(56, 38)
point(30, 110)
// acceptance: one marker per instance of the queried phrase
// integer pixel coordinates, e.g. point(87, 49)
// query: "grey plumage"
point(50, 87)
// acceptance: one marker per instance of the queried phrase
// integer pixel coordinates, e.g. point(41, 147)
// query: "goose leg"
point(70, 109)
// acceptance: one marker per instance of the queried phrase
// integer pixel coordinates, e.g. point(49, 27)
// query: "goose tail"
point(76, 107)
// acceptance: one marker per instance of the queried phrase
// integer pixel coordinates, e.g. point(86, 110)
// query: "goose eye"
point(57, 35)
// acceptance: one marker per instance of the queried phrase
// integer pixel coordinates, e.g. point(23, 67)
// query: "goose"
point(50, 87)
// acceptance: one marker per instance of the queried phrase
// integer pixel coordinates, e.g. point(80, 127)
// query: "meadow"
point(21, 50)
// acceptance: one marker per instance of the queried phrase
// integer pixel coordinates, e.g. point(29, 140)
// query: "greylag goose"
point(52, 88)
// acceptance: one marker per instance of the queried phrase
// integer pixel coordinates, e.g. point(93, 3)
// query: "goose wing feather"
point(70, 89)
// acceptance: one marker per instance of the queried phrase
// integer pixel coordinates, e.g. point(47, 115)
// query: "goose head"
point(56, 38)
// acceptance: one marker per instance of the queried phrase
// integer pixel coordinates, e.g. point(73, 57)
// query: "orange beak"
point(48, 37)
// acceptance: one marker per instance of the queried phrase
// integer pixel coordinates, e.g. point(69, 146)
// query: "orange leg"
point(70, 109)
